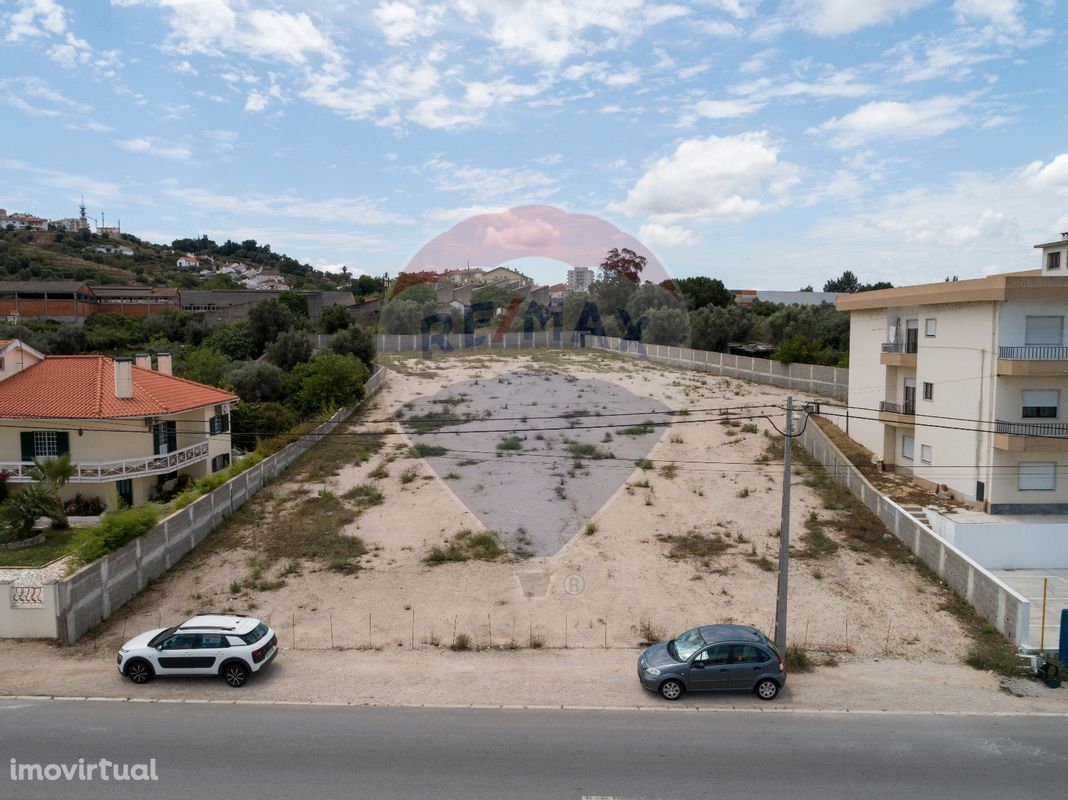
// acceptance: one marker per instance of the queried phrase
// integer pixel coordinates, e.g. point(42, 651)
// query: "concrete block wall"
point(997, 602)
point(91, 595)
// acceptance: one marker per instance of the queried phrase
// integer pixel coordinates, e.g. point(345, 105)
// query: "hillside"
point(56, 255)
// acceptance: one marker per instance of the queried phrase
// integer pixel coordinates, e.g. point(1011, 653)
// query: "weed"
point(467, 546)
point(468, 462)
point(694, 546)
point(378, 472)
point(452, 476)
point(409, 475)
point(512, 443)
point(797, 660)
point(650, 633)
point(765, 564)
point(365, 494)
point(748, 427)
point(637, 430)
point(427, 450)
point(643, 463)
point(669, 471)
point(460, 642)
point(744, 492)
point(586, 450)
point(817, 544)
point(590, 529)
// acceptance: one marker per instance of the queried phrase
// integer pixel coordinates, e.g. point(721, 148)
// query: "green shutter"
point(172, 436)
point(26, 438)
point(62, 443)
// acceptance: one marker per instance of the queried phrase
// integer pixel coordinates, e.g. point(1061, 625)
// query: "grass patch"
point(467, 546)
point(510, 443)
point(590, 529)
point(409, 475)
point(669, 471)
point(586, 450)
point(694, 546)
point(435, 420)
point(643, 463)
point(816, 544)
point(796, 659)
point(311, 531)
point(649, 632)
point(461, 642)
point(327, 458)
point(748, 427)
point(637, 430)
point(366, 494)
point(378, 473)
point(427, 450)
point(57, 543)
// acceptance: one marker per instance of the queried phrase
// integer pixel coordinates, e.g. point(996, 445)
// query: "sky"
point(769, 144)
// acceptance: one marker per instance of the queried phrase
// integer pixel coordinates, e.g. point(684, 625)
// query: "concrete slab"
point(1029, 582)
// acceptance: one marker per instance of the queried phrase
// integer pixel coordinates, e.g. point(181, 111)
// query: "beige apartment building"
point(127, 427)
point(963, 384)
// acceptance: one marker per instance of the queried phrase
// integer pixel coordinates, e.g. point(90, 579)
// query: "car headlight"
point(652, 671)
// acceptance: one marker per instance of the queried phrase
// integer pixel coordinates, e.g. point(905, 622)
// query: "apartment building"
point(580, 279)
point(962, 384)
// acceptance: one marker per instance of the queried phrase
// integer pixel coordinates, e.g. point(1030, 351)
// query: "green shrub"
point(115, 529)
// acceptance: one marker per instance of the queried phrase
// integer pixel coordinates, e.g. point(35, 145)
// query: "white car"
point(232, 646)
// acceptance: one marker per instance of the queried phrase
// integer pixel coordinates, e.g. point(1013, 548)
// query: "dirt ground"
point(711, 481)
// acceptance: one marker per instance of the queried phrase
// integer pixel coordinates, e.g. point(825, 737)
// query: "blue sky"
point(770, 144)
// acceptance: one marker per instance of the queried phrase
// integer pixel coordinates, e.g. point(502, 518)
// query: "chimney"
point(143, 360)
point(164, 362)
point(123, 378)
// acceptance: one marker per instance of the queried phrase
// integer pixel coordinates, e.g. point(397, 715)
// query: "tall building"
point(960, 384)
point(580, 279)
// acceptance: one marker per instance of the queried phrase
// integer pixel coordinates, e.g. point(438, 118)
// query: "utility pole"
point(784, 531)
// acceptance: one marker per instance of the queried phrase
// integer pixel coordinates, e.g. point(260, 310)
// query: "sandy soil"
point(595, 590)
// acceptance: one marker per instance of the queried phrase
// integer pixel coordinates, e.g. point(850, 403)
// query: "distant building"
point(70, 224)
point(219, 306)
point(188, 262)
point(580, 279)
point(114, 250)
point(22, 222)
point(74, 301)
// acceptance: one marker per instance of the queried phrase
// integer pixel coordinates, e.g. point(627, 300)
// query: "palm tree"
point(55, 471)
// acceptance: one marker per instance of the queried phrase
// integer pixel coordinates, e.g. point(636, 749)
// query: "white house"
point(963, 384)
point(188, 262)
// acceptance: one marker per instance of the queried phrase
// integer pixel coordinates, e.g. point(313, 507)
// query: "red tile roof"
point(83, 387)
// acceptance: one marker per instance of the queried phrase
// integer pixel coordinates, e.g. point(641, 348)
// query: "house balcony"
point(1037, 360)
point(107, 471)
point(1031, 437)
point(897, 413)
point(898, 354)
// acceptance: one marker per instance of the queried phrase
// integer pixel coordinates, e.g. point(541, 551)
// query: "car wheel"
point(671, 690)
point(235, 674)
point(140, 671)
point(767, 689)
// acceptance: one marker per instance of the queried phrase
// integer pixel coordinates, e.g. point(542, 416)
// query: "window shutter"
point(172, 436)
point(225, 423)
point(212, 425)
point(62, 443)
point(26, 439)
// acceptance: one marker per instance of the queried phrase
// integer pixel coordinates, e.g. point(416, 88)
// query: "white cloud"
point(489, 184)
point(653, 233)
point(1003, 13)
point(896, 120)
point(1051, 176)
point(72, 52)
point(152, 146)
point(834, 17)
point(36, 18)
point(830, 83)
point(95, 190)
point(728, 176)
point(349, 210)
point(726, 109)
point(256, 101)
point(401, 22)
point(454, 215)
point(184, 68)
point(609, 74)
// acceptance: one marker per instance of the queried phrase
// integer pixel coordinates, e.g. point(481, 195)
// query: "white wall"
point(38, 622)
point(867, 378)
point(1014, 313)
point(1010, 545)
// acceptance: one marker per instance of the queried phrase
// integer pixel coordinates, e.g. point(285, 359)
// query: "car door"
point(209, 649)
point(708, 669)
point(175, 654)
point(748, 662)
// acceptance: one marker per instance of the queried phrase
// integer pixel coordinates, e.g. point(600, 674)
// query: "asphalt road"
point(308, 752)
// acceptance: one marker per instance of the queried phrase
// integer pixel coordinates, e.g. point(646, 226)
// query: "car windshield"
point(686, 645)
point(159, 637)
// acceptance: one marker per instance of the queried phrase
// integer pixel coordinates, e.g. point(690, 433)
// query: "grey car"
point(713, 658)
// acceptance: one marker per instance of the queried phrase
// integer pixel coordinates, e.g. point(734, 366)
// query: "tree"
point(649, 296)
point(494, 295)
point(712, 328)
point(266, 320)
point(233, 340)
point(334, 319)
point(355, 341)
point(401, 316)
point(289, 349)
point(846, 282)
point(611, 293)
point(68, 340)
point(252, 422)
point(806, 288)
point(258, 381)
point(113, 332)
point(295, 302)
point(625, 263)
point(666, 326)
point(204, 365)
point(325, 382)
point(169, 325)
point(366, 285)
point(701, 291)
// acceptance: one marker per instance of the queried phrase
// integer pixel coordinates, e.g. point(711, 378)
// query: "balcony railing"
point(899, 347)
point(1035, 352)
point(104, 471)
point(1057, 430)
point(897, 408)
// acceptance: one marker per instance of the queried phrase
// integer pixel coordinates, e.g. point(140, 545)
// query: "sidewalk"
point(597, 678)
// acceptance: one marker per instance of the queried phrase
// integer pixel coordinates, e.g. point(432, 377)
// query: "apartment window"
point(1044, 330)
point(930, 327)
point(926, 453)
point(908, 447)
point(220, 462)
point(928, 390)
point(44, 444)
point(1038, 477)
point(220, 422)
point(1053, 260)
point(1040, 403)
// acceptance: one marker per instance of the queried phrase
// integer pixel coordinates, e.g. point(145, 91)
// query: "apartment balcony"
point(898, 354)
point(1037, 360)
point(1031, 437)
point(107, 471)
point(897, 413)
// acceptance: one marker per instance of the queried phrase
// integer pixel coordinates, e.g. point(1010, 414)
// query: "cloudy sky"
point(768, 143)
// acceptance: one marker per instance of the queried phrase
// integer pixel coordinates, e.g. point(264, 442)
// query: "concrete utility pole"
point(784, 532)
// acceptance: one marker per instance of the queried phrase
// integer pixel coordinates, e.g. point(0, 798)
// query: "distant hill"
point(57, 255)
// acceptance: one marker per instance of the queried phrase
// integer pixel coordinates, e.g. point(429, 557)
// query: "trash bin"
point(1050, 674)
